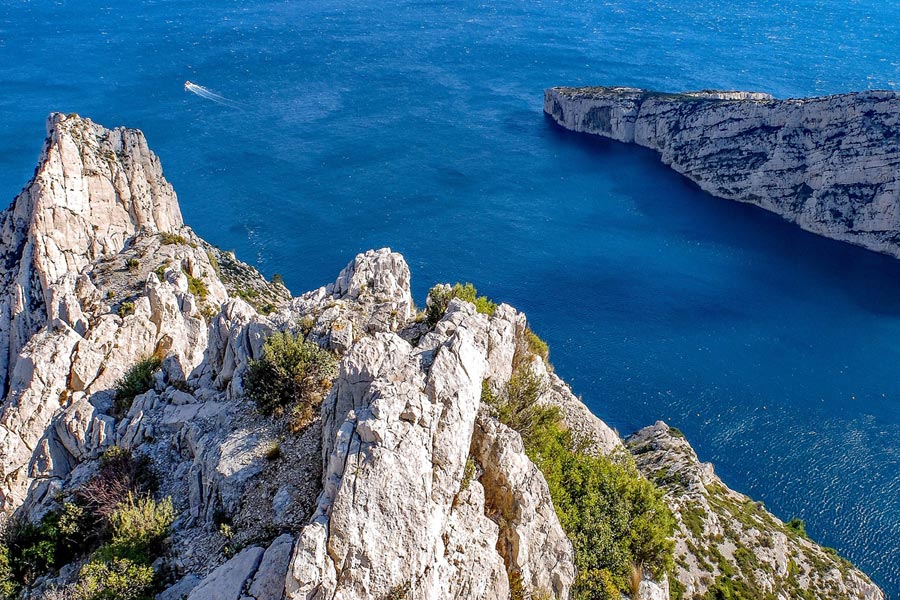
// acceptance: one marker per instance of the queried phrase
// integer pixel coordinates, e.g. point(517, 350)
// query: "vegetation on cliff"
point(136, 380)
point(618, 523)
point(439, 298)
point(292, 374)
point(112, 519)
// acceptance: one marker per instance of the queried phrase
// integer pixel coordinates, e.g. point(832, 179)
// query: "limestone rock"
point(831, 165)
point(531, 538)
point(94, 188)
point(715, 521)
point(181, 589)
point(228, 581)
point(394, 513)
point(268, 582)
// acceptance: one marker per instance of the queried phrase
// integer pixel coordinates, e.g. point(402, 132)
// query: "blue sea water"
point(417, 125)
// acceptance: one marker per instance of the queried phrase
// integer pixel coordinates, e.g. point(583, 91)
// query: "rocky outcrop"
point(397, 432)
point(100, 273)
point(831, 165)
point(726, 541)
point(92, 191)
point(403, 486)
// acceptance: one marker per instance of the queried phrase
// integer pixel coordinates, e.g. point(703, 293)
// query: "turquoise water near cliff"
point(418, 125)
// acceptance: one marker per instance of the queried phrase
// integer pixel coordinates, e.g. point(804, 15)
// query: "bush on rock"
point(136, 380)
point(617, 520)
point(293, 374)
point(439, 298)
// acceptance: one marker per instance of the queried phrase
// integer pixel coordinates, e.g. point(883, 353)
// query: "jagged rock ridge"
point(831, 164)
point(370, 500)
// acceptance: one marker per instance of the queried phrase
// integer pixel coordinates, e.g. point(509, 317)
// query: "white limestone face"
point(831, 165)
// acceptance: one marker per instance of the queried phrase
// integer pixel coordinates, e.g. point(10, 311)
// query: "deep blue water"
point(418, 125)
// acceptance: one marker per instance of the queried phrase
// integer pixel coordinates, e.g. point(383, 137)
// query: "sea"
point(317, 130)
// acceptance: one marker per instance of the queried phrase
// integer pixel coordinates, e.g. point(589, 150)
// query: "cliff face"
point(727, 542)
point(831, 165)
point(403, 485)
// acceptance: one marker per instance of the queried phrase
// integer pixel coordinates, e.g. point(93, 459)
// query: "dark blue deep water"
point(418, 125)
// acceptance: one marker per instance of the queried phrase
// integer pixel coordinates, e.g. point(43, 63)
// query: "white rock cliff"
point(831, 164)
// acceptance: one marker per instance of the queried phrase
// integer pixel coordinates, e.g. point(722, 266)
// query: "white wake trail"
point(203, 92)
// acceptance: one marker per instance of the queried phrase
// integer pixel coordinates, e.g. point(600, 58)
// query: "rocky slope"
point(403, 485)
point(831, 165)
point(727, 542)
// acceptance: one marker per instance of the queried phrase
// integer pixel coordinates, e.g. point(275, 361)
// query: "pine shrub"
point(293, 373)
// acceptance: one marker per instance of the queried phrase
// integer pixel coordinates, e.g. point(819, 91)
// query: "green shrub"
point(277, 279)
point(517, 589)
point(197, 287)
point(728, 587)
point(796, 525)
point(136, 380)
point(617, 521)
point(132, 264)
point(439, 298)
point(136, 530)
point(117, 579)
point(172, 238)
point(292, 372)
point(249, 295)
point(121, 569)
point(161, 271)
point(468, 293)
point(33, 549)
point(8, 587)
point(139, 527)
point(536, 345)
point(517, 405)
point(214, 263)
point(125, 309)
point(468, 474)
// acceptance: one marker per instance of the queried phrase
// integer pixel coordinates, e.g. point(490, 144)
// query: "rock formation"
point(831, 165)
point(404, 485)
point(724, 537)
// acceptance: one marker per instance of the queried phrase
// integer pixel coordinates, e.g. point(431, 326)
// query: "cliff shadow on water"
point(779, 253)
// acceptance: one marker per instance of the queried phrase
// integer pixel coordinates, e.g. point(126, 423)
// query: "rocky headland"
point(831, 164)
point(158, 438)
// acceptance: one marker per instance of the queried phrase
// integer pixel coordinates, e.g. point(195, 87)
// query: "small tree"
point(292, 373)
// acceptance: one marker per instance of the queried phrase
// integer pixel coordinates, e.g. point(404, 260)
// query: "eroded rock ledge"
point(831, 164)
point(373, 499)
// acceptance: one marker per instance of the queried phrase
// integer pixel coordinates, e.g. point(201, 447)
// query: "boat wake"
point(203, 92)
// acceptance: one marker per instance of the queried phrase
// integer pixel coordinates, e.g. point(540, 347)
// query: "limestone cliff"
point(402, 485)
point(831, 165)
point(726, 541)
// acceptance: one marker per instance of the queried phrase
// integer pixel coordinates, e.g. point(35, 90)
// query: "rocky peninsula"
point(176, 426)
point(831, 164)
